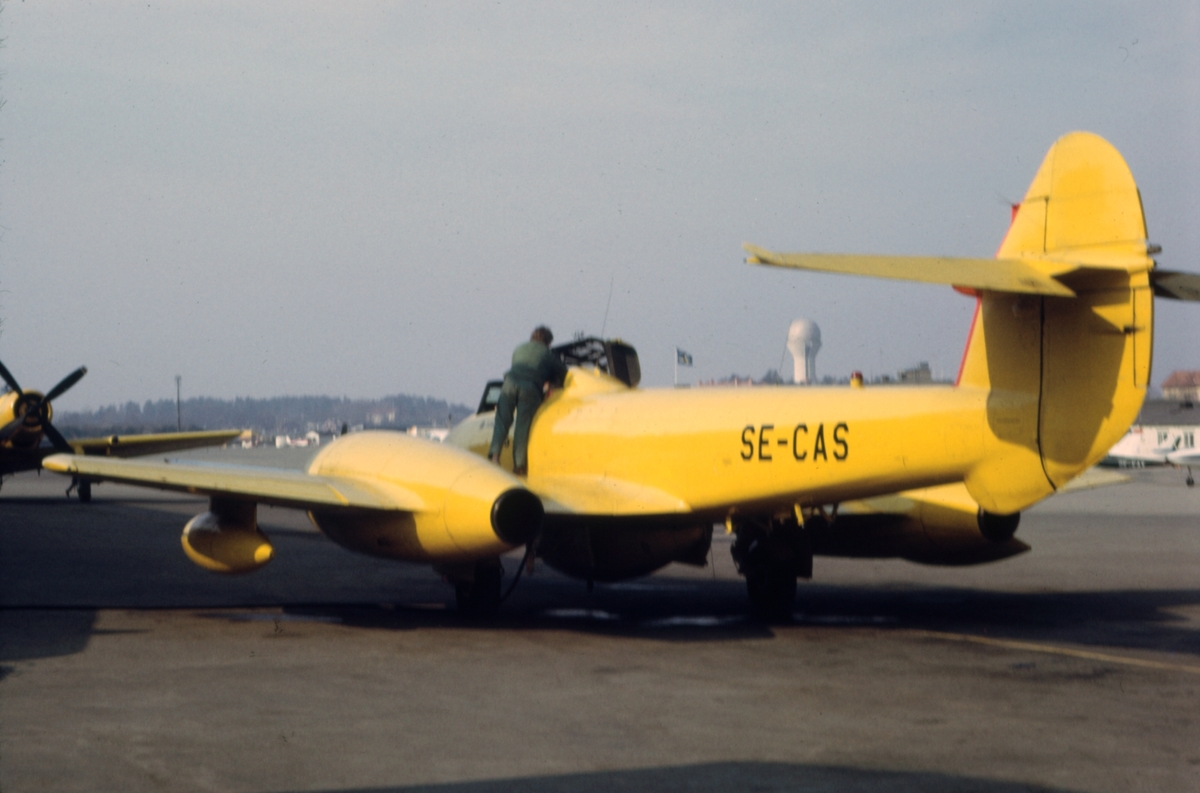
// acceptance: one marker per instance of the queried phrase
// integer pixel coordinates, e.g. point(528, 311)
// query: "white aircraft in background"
point(1156, 445)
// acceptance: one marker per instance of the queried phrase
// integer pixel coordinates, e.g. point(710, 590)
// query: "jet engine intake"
point(226, 539)
point(517, 516)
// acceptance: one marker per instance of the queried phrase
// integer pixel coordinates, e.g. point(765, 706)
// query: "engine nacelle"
point(226, 539)
point(939, 525)
point(463, 507)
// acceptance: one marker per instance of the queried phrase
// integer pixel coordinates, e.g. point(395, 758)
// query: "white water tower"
point(804, 340)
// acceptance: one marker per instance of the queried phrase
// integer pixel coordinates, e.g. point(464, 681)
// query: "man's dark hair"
point(542, 333)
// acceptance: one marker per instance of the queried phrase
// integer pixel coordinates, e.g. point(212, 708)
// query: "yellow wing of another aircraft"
point(151, 443)
point(624, 480)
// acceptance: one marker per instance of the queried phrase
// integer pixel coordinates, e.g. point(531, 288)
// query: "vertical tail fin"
point(1065, 376)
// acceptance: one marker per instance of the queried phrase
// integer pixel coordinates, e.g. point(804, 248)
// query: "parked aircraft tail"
point(1065, 376)
point(1060, 344)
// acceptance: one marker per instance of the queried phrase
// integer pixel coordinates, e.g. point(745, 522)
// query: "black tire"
point(771, 573)
point(85, 492)
point(772, 593)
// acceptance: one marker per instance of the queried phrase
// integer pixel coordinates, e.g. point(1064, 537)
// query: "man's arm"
point(557, 370)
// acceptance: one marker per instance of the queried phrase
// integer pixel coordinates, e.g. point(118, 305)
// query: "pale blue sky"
point(366, 198)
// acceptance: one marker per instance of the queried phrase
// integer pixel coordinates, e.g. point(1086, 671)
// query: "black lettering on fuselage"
point(764, 441)
point(799, 455)
point(819, 444)
point(762, 437)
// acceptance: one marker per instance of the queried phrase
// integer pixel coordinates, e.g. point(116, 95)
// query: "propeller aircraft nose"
point(29, 419)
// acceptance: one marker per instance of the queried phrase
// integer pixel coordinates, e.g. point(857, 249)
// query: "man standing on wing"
point(533, 366)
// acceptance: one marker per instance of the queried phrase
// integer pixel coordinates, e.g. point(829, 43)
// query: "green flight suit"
point(532, 365)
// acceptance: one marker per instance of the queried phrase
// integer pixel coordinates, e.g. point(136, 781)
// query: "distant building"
point(920, 373)
point(1182, 386)
point(429, 433)
point(1169, 413)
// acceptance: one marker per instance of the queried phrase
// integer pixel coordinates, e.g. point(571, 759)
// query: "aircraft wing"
point(279, 487)
point(999, 275)
point(578, 495)
point(155, 443)
point(1134, 460)
point(1184, 457)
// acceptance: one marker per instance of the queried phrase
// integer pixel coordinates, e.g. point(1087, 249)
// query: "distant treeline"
point(274, 416)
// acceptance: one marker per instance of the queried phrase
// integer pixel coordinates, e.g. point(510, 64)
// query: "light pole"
point(178, 411)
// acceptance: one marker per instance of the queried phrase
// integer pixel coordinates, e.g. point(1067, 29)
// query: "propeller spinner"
point(31, 412)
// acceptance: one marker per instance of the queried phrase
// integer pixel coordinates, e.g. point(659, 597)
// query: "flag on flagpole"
point(683, 358)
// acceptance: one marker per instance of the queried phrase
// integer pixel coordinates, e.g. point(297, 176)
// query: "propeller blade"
point(11, 428)
point(56, 438)
point(12, 381)
point(64, 384)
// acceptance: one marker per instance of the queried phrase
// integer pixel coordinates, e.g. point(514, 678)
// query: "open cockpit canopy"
point(611, 356)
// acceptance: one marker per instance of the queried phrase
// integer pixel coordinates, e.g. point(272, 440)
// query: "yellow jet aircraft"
point(25, 421)
point(623, 480)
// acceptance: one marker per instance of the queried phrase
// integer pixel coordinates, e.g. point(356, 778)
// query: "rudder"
point(1065, 376)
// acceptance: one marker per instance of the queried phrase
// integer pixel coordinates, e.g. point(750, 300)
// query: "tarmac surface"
point(1075, 667)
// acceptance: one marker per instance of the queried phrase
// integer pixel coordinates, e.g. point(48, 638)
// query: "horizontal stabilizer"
point(997, 275)
point(1176, 285)
point(263, 485)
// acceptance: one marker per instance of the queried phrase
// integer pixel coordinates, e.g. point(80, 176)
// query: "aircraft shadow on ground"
point(59, 566)
point(697, 612)
point(717, 611)
point(758, 776)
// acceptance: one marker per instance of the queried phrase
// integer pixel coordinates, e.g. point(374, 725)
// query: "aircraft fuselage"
point(701, 450)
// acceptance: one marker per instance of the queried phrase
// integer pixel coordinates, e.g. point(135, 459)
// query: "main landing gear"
point(477, 587)
point(772, 553)
point(83, 487)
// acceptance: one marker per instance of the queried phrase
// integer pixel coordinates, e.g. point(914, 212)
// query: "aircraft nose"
point(517, 516)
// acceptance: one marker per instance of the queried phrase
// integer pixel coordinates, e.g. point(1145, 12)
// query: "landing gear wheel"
point(480, 597)
point(1191, 481)
point(85, 492)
